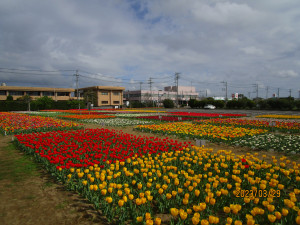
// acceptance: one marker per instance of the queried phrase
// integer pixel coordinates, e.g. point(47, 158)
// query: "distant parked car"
point(209, 107)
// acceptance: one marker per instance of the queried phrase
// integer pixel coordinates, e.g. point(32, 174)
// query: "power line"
point(34, 74)
point(38, 70)
point(95, 78)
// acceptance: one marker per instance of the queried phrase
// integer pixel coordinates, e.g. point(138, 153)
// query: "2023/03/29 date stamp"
point(257, 193)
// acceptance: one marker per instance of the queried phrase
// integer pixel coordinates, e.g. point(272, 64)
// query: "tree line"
point(288, 103)
point(26, 103)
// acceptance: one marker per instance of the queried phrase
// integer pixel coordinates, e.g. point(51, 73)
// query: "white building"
point(185, 93)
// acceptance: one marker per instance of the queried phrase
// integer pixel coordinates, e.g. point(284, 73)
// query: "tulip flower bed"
point(118, 122)
point(279, 116)
point(39, 113)
point(207, 115)
point(207, 131)
point(86, 116)
point(167, 118)
point(288, 127)
point(81, 111)
point(134, 115)
point(81, 148)
point(140, 111)
point(191, 184)
point(276, 142)
point(14, 123)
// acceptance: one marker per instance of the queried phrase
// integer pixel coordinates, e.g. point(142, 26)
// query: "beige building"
point(56, 94)
point(103, 95)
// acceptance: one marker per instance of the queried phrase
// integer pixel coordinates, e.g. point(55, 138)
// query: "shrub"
point(168, 103)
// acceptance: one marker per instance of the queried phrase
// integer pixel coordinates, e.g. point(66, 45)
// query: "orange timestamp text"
point(244, 193)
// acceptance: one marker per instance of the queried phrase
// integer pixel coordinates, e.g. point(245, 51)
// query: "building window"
point(2, 92)
point(116, 102)
point(62, 93)
point(104, 93)
point(116, 93)
point(33, 93)
point(104, 102)
point(16, 93)
point(48, 93)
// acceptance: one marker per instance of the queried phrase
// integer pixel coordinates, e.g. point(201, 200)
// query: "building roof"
point(104, 88)
point(17, 88)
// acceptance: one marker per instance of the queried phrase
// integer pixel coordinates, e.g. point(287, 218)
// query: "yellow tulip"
point(130, 196)
point(174, 212)
point(278, 215)
point(183, 215)
point(204, 222)
point(185, 201)
point(298, 219)
point(169, 196)
point(160, 191)
point(195, 220)
point(108, 199)
point(138, 201)
point(226, 209)
point(149, 222)
point(140, 186)
point(121, 203)
point(157, 221)
point(139, 219)
point(147, 216)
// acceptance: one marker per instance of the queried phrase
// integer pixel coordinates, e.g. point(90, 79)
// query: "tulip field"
point(279, 116)
point(14, 123)
point(117, 122)
point(286, 127)
point(139, 179)
point(205, 131)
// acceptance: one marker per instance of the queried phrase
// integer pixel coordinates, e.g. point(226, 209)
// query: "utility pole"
point(150, 83)
point(256, 89)
point(278, 93)
point(176, 82)
point(225, 82)
point(141, 91)
point(290, 90)
point(267, 90)
point(77, 78)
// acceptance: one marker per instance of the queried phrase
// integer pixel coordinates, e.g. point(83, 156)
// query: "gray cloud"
point(241, 42)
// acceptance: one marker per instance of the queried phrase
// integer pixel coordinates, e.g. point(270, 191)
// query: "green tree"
point(9, 98)
point(192, 103)
point(44, 102)
point(168, 103)
point(27, 99)
point(73, 104)
point(90, 96)
point(219, 104)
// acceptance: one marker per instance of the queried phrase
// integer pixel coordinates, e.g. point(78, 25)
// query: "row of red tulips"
point(82, 148)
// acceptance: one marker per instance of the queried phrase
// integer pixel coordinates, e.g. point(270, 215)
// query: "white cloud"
point(252, 50)
point(287, 74)
point(214, 40)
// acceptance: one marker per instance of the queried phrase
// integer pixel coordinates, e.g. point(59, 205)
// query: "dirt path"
point(29, 195)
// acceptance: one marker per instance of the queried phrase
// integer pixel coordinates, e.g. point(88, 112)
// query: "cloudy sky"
point(247, 44)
